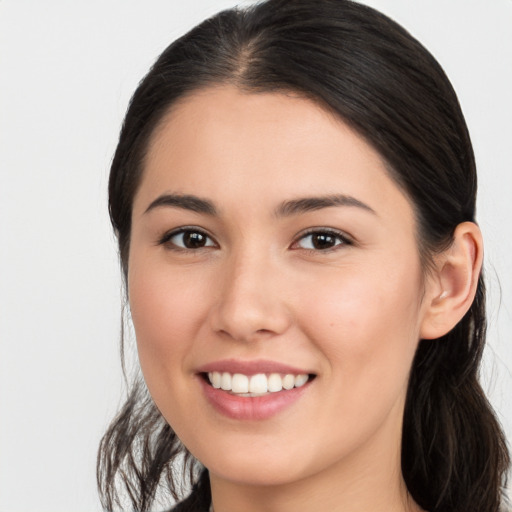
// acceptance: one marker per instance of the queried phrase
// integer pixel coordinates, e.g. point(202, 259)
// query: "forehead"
point(226, 144)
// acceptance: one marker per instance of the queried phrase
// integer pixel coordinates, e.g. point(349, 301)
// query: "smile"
point(259, 384)
point(253, 390)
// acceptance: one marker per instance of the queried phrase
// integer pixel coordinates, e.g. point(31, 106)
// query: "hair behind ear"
point(452, 441)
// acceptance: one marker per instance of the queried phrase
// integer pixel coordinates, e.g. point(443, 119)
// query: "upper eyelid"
point(182, 229)
point(345, 240)
point(332, 231)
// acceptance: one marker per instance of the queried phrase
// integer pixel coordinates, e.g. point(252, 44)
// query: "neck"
point(308, 496)
point(361, 482)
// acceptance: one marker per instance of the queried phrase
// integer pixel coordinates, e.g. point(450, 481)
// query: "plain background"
point(67, 70)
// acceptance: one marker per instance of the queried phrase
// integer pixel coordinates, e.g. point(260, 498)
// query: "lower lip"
point(251, 408)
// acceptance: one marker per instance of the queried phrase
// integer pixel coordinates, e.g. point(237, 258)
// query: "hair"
point(372, 74)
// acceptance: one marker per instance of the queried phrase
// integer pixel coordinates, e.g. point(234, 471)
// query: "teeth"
point(215, 379)
point(225, 381)
point(258, 384)
point(275, 383)
point(288, 381)
point(300, 380)
point(240, 383)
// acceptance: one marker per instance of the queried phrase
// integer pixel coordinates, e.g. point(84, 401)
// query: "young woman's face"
point(270, 249)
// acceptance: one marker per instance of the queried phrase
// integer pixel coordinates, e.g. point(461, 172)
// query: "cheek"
point(167, 309)
point(367, 322)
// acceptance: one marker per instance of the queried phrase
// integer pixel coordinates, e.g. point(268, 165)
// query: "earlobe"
point(453, 286)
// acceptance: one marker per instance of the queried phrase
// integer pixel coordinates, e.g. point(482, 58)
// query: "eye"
point(187, 239)
point(321, 240)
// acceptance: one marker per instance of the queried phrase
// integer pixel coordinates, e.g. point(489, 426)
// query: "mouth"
point(256, 385)
point(253, 390)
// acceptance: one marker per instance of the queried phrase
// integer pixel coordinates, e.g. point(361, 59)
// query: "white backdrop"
point(67, 70)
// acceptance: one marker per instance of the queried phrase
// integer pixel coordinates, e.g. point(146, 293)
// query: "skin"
point(351, 314)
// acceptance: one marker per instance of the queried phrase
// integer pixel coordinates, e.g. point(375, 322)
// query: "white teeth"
point(215, 379)
point(225, 381)
point(240, 383)
point(258, 384)
point(288, 381)
point(300, 380)
point(275, 383)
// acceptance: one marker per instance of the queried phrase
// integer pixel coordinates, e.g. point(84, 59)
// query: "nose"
point(252, 302)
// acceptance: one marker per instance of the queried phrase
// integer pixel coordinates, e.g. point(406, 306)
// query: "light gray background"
point(67, 70)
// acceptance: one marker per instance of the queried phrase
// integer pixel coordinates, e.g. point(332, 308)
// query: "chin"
point(241, 471)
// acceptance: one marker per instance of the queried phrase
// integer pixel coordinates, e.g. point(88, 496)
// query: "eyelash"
point(167, 239)
point(340, 238)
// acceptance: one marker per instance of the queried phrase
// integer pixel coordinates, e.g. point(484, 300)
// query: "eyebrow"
point(285, 209)
point(184, 201)
point(307, 204)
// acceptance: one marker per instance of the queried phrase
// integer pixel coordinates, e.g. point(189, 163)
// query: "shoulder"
point(189, 506)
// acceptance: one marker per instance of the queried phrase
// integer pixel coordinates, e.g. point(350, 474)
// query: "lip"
point(244, 408)
point(251, 367)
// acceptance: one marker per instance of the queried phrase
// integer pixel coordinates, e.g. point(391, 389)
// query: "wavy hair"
point(372, 74)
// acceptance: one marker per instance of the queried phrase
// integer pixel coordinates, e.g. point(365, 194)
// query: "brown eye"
point(322, 240)
point(189, 239)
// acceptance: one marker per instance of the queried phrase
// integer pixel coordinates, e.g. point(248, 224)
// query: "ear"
point(451, 288)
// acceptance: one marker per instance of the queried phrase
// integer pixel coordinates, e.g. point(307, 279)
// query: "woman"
point(293, 194)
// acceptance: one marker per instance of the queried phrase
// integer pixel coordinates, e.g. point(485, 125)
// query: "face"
point(275, 288)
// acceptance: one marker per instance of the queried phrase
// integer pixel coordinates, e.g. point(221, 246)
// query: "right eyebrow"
point(307, 204)
point(184, 201)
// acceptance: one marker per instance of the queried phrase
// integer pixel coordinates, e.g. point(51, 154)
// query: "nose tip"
point(250, 306)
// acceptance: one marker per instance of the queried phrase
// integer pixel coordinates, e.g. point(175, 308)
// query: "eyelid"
point(165, 239)
point(346, 239)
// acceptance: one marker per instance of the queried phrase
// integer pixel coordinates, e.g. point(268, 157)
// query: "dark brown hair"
point(370, 72)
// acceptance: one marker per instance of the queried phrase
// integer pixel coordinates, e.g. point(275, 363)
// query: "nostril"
point(263, 331)
point(246, 335)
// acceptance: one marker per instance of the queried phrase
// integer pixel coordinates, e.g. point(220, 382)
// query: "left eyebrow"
point(185, 202)
point(308, 204)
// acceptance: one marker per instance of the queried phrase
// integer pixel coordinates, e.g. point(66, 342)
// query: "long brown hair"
point(376, 77)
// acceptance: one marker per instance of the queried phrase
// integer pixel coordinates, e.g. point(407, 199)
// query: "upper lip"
point(250, 367)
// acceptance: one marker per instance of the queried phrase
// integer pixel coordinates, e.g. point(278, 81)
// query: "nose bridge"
point(251, 301)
